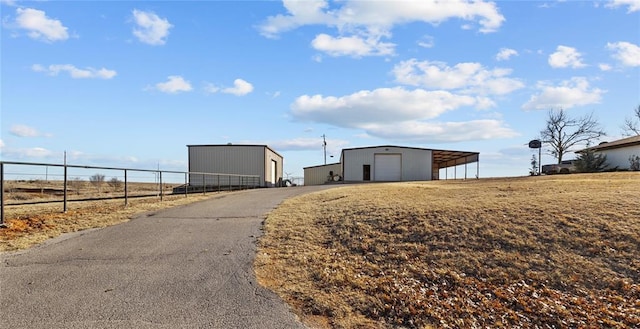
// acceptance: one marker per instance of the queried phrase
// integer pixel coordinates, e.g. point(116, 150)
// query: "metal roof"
point(323, 165)
point(629, 141)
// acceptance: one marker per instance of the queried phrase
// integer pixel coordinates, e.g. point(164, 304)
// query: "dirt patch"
point(534, 252)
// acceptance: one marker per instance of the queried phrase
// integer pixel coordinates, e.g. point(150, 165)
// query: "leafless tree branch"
point(631, 124)
point(562, 132)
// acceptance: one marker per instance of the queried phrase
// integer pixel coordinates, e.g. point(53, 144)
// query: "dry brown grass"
point(29, 225)
point(535, 252)
point(27, 192)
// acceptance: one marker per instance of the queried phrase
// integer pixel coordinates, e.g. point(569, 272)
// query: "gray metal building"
point(318, 175)
point(258, 160)
point(390, 163)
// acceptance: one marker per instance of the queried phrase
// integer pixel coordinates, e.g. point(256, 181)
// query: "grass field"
point(531, 252)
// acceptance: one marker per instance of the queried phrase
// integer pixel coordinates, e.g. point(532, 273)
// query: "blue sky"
point(130, 84)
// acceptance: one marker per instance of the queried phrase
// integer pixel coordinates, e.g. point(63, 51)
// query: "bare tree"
point(97, 180)
point(115, 183)
point(631, 126)
point(563, 132)
point(76, 184)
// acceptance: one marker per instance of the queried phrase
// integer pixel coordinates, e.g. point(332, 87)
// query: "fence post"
point(204, 186)
point(64, 207)
point(160, 185)
point(126, 192)
point(2, 224)
point(185, 185)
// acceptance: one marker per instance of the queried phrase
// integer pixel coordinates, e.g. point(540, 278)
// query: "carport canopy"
point(444, 158)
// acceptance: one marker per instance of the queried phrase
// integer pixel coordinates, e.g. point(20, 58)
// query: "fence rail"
point(189, 182)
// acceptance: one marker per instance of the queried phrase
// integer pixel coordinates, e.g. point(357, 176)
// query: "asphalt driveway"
point(185, 267)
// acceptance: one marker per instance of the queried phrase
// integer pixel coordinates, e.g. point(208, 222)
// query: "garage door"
point(388, 167)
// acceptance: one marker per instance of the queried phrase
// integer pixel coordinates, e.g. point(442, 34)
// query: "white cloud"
point(27, 153)
point(39, 26)
point(210, 88)
point(634, 5)
point(24, 131)
point(353, 46)
point(627, 53)
point(570, 93)
point(380, 105)
point(566, 57)
point(382, 15)
point(1, 144)
point(175, 84)
point(441, 132)
point(74, 72)
point(300, 13)
point(240, 88)
point(362, 24)
point(467, 77)
point(426, 41)
point(150, 29)
point(505, 54)
point(604, 67)
point(36, 152)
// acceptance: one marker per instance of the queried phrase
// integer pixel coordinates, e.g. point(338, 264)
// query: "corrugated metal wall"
point(229, 159)
point(318, 175)
point(416, 163)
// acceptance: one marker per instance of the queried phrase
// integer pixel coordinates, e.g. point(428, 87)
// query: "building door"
point(273, 172)
point(388, 167)
point(366, 172)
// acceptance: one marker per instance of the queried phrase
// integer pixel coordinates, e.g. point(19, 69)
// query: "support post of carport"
point(478, 167)
point(465, 168)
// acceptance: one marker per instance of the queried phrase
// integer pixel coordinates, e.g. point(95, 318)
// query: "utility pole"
point(324, 147)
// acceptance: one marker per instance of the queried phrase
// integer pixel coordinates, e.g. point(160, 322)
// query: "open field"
point(531, 252)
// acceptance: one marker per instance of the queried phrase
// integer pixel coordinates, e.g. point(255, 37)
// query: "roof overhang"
point(446, 158)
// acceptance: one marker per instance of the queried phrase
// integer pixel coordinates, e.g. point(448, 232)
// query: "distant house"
point(389, 163)
point(618, 152)
point(257, 160)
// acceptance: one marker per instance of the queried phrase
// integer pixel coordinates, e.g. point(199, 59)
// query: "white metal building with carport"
point(259, 160)
point(389, 163)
